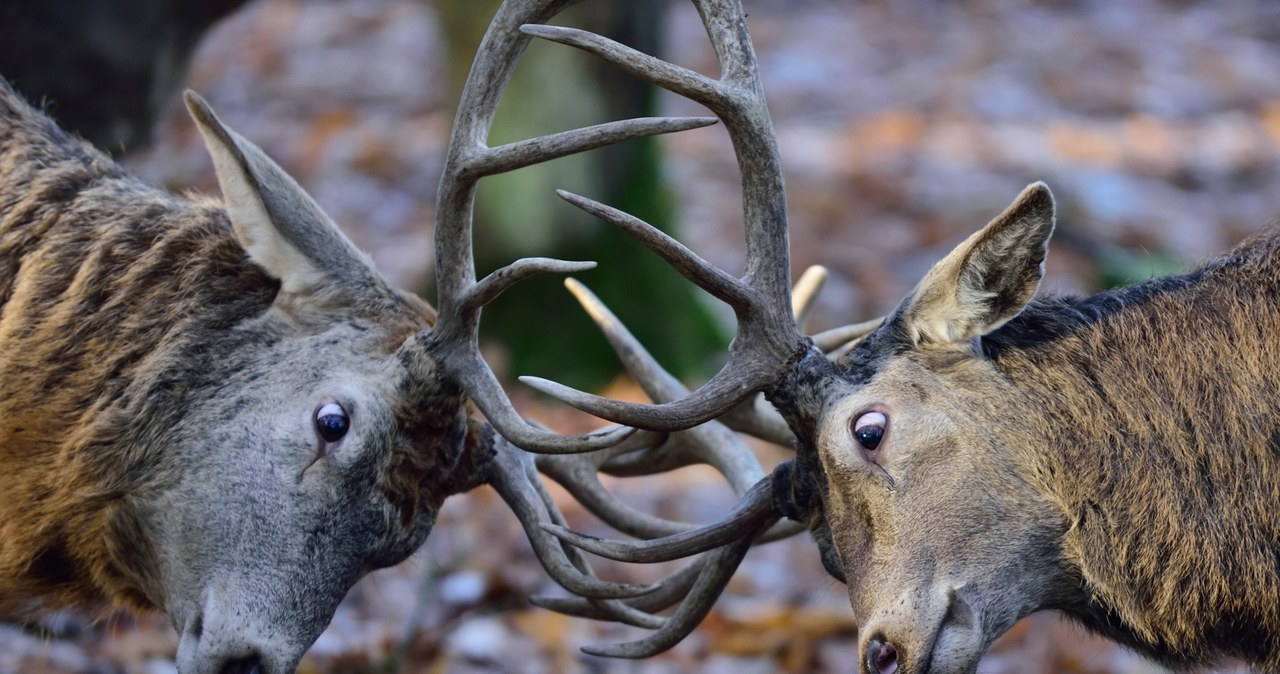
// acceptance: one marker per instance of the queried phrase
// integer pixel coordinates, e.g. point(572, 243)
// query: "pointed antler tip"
point(611, 651)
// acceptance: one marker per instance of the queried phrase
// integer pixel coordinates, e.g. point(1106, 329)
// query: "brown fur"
point(1160, 424)
point(104, 282)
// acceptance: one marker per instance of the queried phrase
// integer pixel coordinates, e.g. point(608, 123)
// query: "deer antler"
point(768, 342)
point(696, 585)
point(724, 543)
point(453, 341)
point(645, 453)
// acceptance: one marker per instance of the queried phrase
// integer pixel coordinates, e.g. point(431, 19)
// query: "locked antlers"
point(678, 428)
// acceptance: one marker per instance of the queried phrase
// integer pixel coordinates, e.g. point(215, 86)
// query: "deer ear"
point(987, 279)
point(278, 223)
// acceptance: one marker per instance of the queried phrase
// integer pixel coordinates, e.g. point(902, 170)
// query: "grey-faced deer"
point(978, 454)
point(223, 411)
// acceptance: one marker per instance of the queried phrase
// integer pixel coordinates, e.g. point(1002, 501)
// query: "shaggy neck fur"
point(1157, 410)
point(105, 286)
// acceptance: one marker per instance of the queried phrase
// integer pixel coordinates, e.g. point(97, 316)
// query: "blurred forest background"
point(904, 125)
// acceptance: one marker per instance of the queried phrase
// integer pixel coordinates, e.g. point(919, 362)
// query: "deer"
point(220, 409)
point(980, 453)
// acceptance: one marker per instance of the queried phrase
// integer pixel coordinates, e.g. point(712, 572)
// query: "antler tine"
point(669, 593)
point(453, 340)
point(805, 291)
point(835, 338)
point(755, 507)
point(578, 474)
point(768, 341)
point(698, 584)
point(512, 475)
point(720, 567)
point(710, 443)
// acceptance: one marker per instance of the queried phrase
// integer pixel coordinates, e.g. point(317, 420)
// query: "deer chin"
point(966, 632)
point(956, 650)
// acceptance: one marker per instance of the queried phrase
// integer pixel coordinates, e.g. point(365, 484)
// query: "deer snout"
point(938, 636)
point(221, 641)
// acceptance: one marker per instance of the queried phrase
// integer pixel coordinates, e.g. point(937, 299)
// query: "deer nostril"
point(882, 656)
point(243, 666)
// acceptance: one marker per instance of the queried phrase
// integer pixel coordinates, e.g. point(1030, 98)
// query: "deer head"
point(322, 447)
point(937, 525)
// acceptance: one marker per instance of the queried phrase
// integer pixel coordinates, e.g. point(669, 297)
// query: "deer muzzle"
point(944, 636)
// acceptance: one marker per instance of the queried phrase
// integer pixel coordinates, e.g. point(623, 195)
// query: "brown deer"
point(223, 411)
point(979, 455)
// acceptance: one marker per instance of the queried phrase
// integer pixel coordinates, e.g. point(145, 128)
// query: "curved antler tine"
point(715, 397)
point(755, 506)
point(580, 478)
point(524, 153)
point(487, 394)
point(707, 276)
point(673, 78)
point(720, 567)
point(663, 457)
point(513, 477)
point(488, 288)
point(669, 593)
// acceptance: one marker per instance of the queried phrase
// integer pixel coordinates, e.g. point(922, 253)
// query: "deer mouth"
point(959, 640)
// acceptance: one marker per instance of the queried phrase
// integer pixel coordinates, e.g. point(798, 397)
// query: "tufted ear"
point(280, 225)
point(986, 280)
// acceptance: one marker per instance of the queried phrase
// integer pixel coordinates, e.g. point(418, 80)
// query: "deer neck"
point(1157, 413)
point(96, 317)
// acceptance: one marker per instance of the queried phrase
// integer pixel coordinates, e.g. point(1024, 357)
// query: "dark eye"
point(332, 422)
point(868, 429)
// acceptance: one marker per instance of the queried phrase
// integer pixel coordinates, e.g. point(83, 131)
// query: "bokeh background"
point(904, 125)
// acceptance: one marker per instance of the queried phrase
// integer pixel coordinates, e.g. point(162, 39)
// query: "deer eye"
point(868, 429)
point(332, 422)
